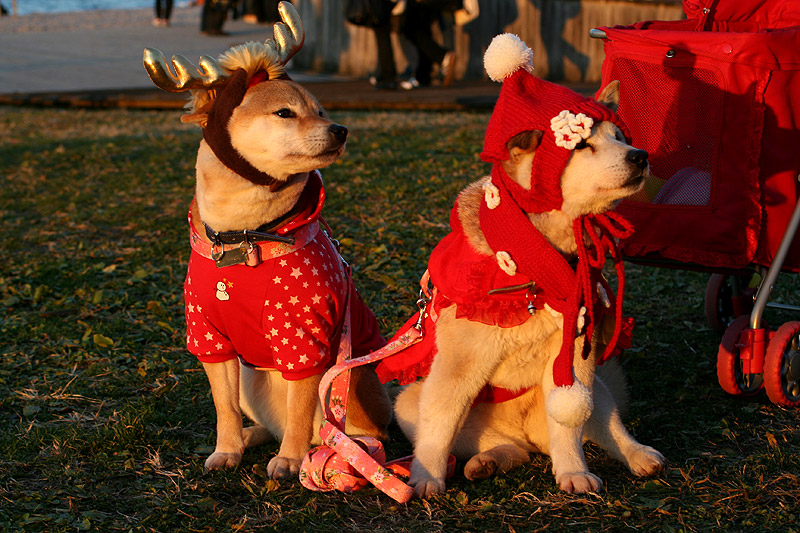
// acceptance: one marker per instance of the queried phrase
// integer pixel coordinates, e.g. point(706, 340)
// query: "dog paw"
point(645, 461)
point(283, 467)
point(425, 485)
point(223, 461)
point(480, 467)
point(579, 482)
point(426, 488)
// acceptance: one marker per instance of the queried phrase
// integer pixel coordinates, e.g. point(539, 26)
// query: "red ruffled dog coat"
point(481, 286)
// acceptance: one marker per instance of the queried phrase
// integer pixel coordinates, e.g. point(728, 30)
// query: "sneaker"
point(410, 83)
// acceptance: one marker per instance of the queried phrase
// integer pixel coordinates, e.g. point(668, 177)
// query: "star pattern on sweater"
point(300, 312)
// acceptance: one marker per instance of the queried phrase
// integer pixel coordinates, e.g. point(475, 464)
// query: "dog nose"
point(637, 158)
point(339, 132)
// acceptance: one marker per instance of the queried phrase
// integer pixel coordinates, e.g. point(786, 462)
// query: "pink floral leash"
point(348, 464)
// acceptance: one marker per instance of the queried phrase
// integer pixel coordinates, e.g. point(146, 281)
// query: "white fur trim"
point(570, 406)
point(581, 320)
point(601, 292)
point(491, 194)
point(506, 54)
point(505, 263)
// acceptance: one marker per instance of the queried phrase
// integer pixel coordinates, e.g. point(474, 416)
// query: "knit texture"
point(529, 103)
point(573, 293)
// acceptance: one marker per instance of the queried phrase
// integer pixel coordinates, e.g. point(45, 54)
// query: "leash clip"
point(422, 304)
point(530, 296)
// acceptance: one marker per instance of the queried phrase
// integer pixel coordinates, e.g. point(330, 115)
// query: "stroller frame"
point(751, 356)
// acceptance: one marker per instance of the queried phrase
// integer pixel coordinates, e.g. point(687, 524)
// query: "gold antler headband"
point(288, 40)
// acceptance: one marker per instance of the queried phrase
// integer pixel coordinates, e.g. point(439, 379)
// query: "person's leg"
point(386, 72)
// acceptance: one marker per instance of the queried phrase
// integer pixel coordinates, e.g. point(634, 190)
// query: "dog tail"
point(614, 378)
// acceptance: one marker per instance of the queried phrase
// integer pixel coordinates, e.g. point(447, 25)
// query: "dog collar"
point(281, 236)
point(265, 232)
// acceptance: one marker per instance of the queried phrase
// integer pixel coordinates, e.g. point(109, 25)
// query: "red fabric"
point(529, 103)
point(508, 229)
point(743, 15)
point(718, 113)
point(413, 361)
point(258, 77)
point(285, 313)
point(463, 277)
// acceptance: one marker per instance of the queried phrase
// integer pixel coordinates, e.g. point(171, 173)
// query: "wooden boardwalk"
point(556, 30)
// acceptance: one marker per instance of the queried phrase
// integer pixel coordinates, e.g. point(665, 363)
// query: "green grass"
point(106, 419)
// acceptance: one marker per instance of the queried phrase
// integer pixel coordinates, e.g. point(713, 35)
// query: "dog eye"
point(321, 113)
point(285, 113)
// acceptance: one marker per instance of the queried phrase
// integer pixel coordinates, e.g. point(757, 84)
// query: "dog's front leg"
point(224, 380)
point(566, 441)
point(301, 405)
point(462, 367)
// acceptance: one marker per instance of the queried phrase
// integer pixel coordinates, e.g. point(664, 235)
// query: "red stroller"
point(715, 100)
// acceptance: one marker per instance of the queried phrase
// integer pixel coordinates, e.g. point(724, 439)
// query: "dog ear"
point(609, 96)
point(199, 117)
point(523, 143)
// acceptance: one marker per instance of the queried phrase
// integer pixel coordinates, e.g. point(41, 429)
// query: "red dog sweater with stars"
point(284, 314)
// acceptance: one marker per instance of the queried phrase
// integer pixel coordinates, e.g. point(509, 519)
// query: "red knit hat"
point(527, 102)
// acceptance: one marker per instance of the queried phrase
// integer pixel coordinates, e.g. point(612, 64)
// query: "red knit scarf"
point(507, 228)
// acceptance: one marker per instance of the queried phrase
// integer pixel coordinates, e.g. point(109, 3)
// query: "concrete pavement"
point(94, 59)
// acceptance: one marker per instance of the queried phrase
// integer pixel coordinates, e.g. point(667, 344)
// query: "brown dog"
point(266, 290)
point(548, 177)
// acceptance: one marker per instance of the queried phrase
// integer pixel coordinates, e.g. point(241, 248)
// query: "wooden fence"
point(556, 30)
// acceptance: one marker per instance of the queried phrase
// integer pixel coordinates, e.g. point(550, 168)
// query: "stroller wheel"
point(729, 363)
point(726, 298)
point(782, 366)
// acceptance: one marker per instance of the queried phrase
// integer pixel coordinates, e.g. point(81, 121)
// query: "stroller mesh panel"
point(679, 129)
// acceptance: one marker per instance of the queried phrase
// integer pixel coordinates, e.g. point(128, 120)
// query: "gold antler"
point(289, 37)
point(187, 76)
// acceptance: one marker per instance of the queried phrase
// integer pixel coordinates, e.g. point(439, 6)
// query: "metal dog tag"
point(234, 256)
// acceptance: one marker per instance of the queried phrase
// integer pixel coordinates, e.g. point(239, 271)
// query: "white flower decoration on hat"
point(505, 263)
point(570, 129)
point(491, 194)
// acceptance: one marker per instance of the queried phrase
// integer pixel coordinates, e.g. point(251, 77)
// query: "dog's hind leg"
point(501, 459)
point(224, 380)
point(369, 407)
point(256, 435)
point(301, 407)
point(606, 429)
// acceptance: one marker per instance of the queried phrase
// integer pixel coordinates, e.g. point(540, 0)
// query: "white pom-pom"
point(570, 406)
point(506, 54)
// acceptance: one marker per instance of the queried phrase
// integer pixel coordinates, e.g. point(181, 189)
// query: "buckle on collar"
point(244, 254)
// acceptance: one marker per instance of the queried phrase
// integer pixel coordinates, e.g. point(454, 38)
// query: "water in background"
point(26, 7)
